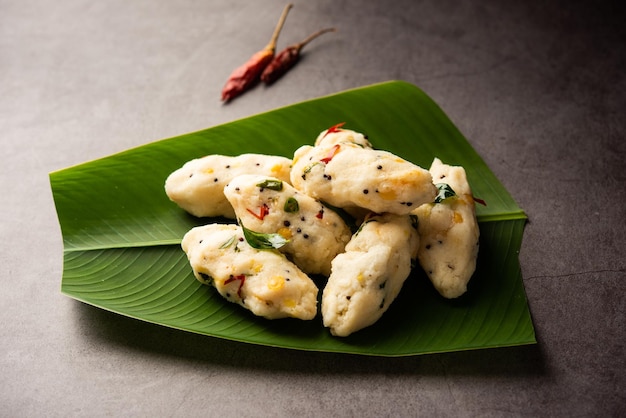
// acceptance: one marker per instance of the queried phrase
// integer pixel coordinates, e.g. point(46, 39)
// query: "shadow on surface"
point(100, 327)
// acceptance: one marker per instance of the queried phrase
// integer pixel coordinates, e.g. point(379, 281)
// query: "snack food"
point(367, 278)
point(264, 282)
point(316, 234)
point(287, 228)
point(449, 233)
point(198, 185)
point(348, 175)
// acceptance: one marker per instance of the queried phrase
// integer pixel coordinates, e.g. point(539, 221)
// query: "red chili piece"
point(242, 280)
point(477, 200)
point(243, 77)
point(263, 212)
point(334, 128)
point(333, 151)
point(287, 58)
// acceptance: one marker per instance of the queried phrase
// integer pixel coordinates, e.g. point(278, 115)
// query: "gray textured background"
point(538, 89)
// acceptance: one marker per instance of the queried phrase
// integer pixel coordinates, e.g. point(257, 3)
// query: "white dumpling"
point(197, 187)
point(338, 135)
point(347, 175)
point(367, 278)
point(262, 281)
point(449, 233)
point(316, 233)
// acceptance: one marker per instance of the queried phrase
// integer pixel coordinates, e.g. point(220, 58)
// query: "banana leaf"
point(122, 235)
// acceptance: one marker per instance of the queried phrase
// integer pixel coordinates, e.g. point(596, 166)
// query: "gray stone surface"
point(538, 89)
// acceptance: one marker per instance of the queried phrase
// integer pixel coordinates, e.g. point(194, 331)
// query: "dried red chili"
point(287, 58)
point(243, 77)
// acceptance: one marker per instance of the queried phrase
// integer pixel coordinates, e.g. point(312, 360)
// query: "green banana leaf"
point(122, 235)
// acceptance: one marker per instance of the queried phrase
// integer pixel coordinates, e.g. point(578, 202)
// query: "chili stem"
point(313, 36)
point(272, 44)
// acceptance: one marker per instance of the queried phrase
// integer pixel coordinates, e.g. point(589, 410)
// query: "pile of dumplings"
point(288, 228)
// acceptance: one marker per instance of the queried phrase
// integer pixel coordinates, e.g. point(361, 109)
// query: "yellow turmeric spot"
point(208, 170)
point(276, 283)
point(289, 303)
point(458, 218)
point(255, 267)
point(285, 232)
point(276, 168)
point(360, 278)
point(389, 194)
point(466, 199)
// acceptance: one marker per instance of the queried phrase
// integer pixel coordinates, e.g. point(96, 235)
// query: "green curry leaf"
point(445, 191)
point(262, 241)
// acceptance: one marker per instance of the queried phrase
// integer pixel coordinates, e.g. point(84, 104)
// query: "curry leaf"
point(262, 241)
point(445, 191)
